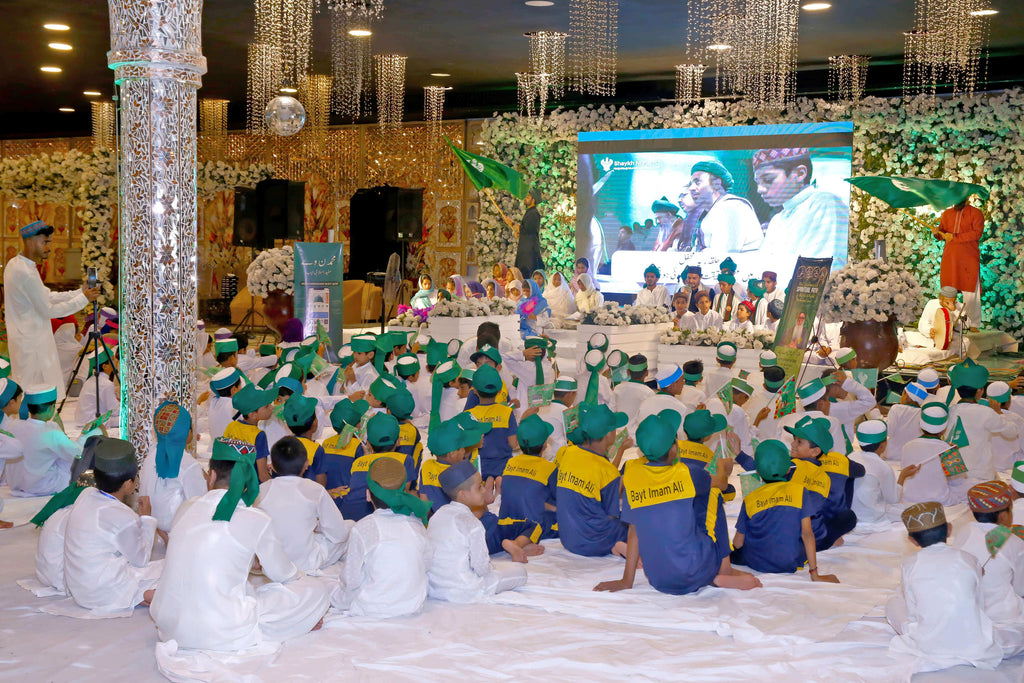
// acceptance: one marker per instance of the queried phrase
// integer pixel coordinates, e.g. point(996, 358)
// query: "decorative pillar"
point(155, 52)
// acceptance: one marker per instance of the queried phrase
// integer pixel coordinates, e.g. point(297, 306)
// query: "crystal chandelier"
point(103, 120)
point(351, 65)
point(846, 77)
point(287, 25)
point(533, 95)
point(948, 44)
point(765, 53)
point(547, 57)
point(433, 106)
point(316, 97)
point(262, 83)
point(213, 117)
point(371, 9)
point(593, 46)
point(689, 78)
point(390, 72)
point(713, 31)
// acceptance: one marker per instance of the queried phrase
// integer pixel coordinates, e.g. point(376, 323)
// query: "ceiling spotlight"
point(360, 32)
point(817, 6)
point(50, 69)
point(67, 110)
point(719, 47)
point(288, 89)
point(92, 93)
point(539, 3)
point(984, 12)
point(64, 47)
point(56, 27)
point(441, 75)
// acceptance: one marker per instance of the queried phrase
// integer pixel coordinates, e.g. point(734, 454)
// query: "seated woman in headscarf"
point(588, 298)
point(541, 278)
point(533, 309)
point(515, 274)
point(501, 274)
point(456, 288)
point(559, 297)
point(474, 290)
point(426, 296)
point(514, 291)
point(494, 289)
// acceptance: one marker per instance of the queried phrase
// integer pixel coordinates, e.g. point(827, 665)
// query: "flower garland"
point(471, 308)
point(871, 290)
point(976, 139)
point(87, 181)
point(757, 340)
point(612, 314)
point(272, 269)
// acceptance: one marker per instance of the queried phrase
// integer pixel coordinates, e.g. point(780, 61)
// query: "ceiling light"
point(441, 75)
point(289, 89)
point(92, 93)
point(539, 3)
point(64, 47)
point(360, 32)
point(817, 6)
point(50, 69)
point(67, 110)
point(984, 12)
point(719, 47)
point(56, 27)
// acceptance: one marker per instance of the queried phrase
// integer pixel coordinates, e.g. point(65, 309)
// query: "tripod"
point(248, 323)
point(97, 340)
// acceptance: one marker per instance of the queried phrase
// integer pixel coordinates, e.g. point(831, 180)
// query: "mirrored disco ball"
point(285, 115)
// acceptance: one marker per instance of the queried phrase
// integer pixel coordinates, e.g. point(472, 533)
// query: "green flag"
point(786, 402)
point(484, 172)
point(952, 462)
point(958, 437)
point(725, 396)
point(904, 193)
point(997, 538)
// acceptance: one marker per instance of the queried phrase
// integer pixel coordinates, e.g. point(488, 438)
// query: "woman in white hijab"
point(494, 289)
point(588, 298)
point(68, 349)
point(559, 296)
point(514, 291)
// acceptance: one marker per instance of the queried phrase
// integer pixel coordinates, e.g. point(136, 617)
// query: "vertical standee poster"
point(319, 271)
point(802, 301)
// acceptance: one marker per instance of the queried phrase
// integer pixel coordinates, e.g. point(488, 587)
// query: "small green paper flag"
point(617, 444)
point(997, 538)
point(95, 424)
point(786, 402)
point(744, 374)
point(725, 396)
point(750, 482)
point(321, 333)
point(541, 395)
point(952, 462)
point(892, 398)
point(571, 418)
point(958, 436)
point(896, 377)
point(867, 377)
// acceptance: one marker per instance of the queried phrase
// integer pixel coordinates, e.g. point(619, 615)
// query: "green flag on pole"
point(484, 172)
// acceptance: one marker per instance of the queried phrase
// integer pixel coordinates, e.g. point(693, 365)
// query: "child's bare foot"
point(517, 553)
point(6, 525)
point(619, 549)
point(741, 581)
point(839, 542)
point(533, 549)
point(147, 597)
point(319, 625)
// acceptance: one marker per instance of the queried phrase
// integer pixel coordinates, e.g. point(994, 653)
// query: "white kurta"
point(981, 423)
point(50, 551)
point(930, 483)
point(385, 572)
point(628, 397)
point(29, 306)
point(460, 566)
point(731, 225)
point(306, 520)
point(46, 467)
point(167, 495)
point(737, 419)
point(205, 600)
point(107, 550)
point(876, 495)
point(903, 423)
point(847, 412)
point(365, 375)
point(221, 415)
point(1002, 577)
point(553, 414)
point(716, 378)
point(275, 429)
point(692, 396)
point(1006, 451)
point(110, 399)
point(735, 325)
point(420, 390)
point(68, 349)
point(652, 297)
point(698, 322)
point(808, 224)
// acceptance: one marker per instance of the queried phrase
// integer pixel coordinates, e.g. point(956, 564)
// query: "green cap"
point(999, 392)
point(401, 403)
point(727, 278)
point(700, 424)
point(536, 343)
point(364, 343)
point(467, 374)
point(473, 428)
point(845, 355)
point(449, 436)
point(968, 374)
point(656, 434)
point(715, 168)
point(382, 430)
point(815, 430)
point(268, 350)
point(437, 352)
point(304, 360)
point(934, 417)
point(728, 265)
point(767, 359)
point(288, 354)
point(382, 388)
point(347, 412)
point(487, 380)
point(310, 342)
point(772, 461)
point(225, 346)
point(566, 384)
point(487, 351)
point(407, 365)
point(447, 371)
point(596, 421)
point(533, 431)
point(599, 341)
point(742, 386)
point(756, 288)
point(99, 359)
point(249, 399)
point(1017, 476)
point(811, 391)
point(872, 432)
point(299, 410)
point(5, 367)
point(40, 394)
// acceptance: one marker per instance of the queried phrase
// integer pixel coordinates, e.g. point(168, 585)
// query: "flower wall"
point(974, 139)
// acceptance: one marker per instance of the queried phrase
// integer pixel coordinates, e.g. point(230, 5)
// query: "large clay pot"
point(278, 308)
point(876, 343)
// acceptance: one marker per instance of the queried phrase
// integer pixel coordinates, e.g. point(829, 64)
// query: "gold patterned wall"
point(333, 162)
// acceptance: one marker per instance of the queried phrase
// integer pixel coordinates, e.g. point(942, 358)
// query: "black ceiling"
point(479, 42)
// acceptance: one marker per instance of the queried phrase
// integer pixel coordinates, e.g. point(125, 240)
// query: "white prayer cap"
point(222, 333)
point(767, 359)
point(934, 417)
point(1017, 477)
point(871, 431)
point(928, 378)
point(948, 292)
point(200, 325)
point(998, 392)
point(668, 375)
point(917, 392)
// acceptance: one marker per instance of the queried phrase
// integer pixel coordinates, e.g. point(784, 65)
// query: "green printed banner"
point(802, 301)
point(319, 271)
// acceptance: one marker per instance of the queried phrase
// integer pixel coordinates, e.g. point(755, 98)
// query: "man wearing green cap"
point(107, 546)
point(981, 420)
point(381, 437)
point(729, 223)
point(205, 601)
point(774, 532)
point(652, 294)
point(109, 391)
point(529, 482)
point(588, 487)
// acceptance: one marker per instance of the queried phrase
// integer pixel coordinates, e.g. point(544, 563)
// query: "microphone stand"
point(959, 326)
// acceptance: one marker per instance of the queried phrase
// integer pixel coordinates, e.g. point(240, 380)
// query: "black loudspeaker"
point(369, 246)
point(247, 231)
point(283, 209)
point(403, 214)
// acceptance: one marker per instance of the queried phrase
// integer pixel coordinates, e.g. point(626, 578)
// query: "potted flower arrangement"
point(271, 276)
point(870, 298)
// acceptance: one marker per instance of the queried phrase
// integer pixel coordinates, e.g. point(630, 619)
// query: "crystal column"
point(155, 52)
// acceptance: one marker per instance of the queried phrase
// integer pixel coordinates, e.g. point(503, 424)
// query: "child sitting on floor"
point(381, 436)
point(170, 476)
point(53, 520)
point(448, 442)
point(344, 448)
point(254, 405)
point(305, 518)
point(460, 567)
point(501, 439)
point(225, 384)
point(299, 414)
point(401, 404)
point(385, 572)
point(529, 482)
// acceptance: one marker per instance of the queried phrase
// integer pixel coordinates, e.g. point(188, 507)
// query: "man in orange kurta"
point(960, 228)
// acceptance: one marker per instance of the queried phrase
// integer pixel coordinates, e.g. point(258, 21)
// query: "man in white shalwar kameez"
point(170, 475)
point(29, 305)
point(107, 547)
point(460, 566)
point(937, 612)
point(205, 600)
